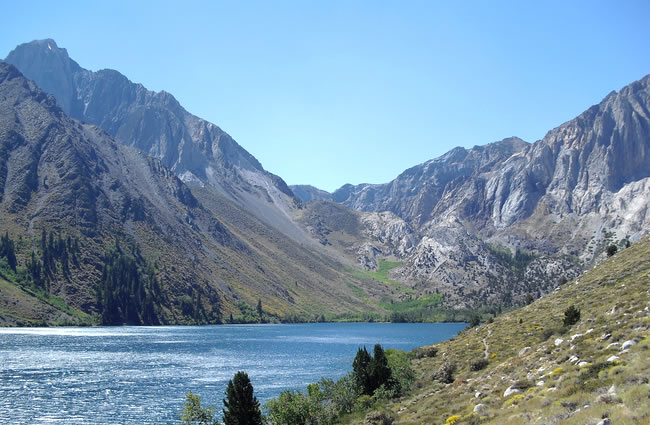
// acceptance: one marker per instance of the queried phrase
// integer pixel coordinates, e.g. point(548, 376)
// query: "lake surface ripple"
point(140, 375)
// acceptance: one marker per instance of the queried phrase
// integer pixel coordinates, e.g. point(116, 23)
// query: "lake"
point(140, 375)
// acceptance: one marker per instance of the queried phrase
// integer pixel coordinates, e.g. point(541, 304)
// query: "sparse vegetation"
point(553, 371)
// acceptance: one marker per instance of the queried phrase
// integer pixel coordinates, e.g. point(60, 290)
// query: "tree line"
point(129, 291)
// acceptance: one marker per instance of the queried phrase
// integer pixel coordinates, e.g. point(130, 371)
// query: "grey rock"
point(510, 391)
point(628, 344)
point(479, 408)
point(524, 351)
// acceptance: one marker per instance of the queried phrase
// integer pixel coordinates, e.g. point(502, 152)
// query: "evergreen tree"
point(8, 250)
point(380, 373)
point(571, 316)
point(260, 311)
point(240, 405)
point(361, 368)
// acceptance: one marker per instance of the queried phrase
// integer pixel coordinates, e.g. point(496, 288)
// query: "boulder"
point(627, 344)
point(510, 391)
point(480, 408)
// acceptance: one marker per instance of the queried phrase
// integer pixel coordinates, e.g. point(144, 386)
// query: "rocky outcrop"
point(307, 193)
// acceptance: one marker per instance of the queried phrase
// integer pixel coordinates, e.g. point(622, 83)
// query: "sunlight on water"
point(140, 375)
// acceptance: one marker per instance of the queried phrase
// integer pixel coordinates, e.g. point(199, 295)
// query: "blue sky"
point(334, 92)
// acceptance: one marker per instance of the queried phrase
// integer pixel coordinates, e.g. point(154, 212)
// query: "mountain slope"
point(155, 123)
point(542, 372)
point(61, 178)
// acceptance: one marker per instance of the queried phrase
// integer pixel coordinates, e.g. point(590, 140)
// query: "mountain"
point(197, 151)
point(491, 225)
point(528, 366)
point(307, 193)
point(414, 194)
point(590, 172)
point(500, 222)
point(112, 232)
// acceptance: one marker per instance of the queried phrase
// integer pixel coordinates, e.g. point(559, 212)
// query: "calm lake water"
point(140, 375)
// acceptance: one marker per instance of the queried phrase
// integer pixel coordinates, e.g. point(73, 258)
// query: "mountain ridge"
point(127, 211)
point(155, 122)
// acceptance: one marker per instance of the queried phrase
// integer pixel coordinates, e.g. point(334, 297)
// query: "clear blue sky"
point(333, 92)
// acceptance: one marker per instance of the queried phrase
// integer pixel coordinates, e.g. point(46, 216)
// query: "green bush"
point(611, 250)
point(571, 316)
point(479, 364)
point(423, 352)
point(445, 373)
point(194, 414)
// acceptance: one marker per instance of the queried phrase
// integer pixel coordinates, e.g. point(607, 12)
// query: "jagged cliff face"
point(590, 173)
point(414, 194)
point(155, 123)
point(563, 199)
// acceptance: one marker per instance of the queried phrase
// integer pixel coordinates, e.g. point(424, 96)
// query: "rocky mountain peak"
point(156, 123)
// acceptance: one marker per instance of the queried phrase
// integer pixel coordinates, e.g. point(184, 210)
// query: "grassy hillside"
point(22, 305)
point(579, 374)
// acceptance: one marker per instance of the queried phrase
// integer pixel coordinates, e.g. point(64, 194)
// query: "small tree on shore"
point(241, 406)
point(361, 368)
point(380, 373)
point(193, 413)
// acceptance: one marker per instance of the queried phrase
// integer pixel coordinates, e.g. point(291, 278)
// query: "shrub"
point(193, 413)
point(479, 364)
point(611, 250)
point(402, 374)
point(571, 316)
point(452, 420)
point(379, 418)
point(474, 321)
point(289, 408)
point(423, 352)
point(445, 373)
point(364, 402)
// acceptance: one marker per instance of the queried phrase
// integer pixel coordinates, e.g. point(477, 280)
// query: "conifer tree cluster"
point(129, 291)
point(57, 254)
point(8, 251)
point(371, 372)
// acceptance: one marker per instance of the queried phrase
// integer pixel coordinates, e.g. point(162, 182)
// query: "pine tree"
point(380, 373)
point(241, 406)
point(361, 368)
point(260, 311)
point(7, 250)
